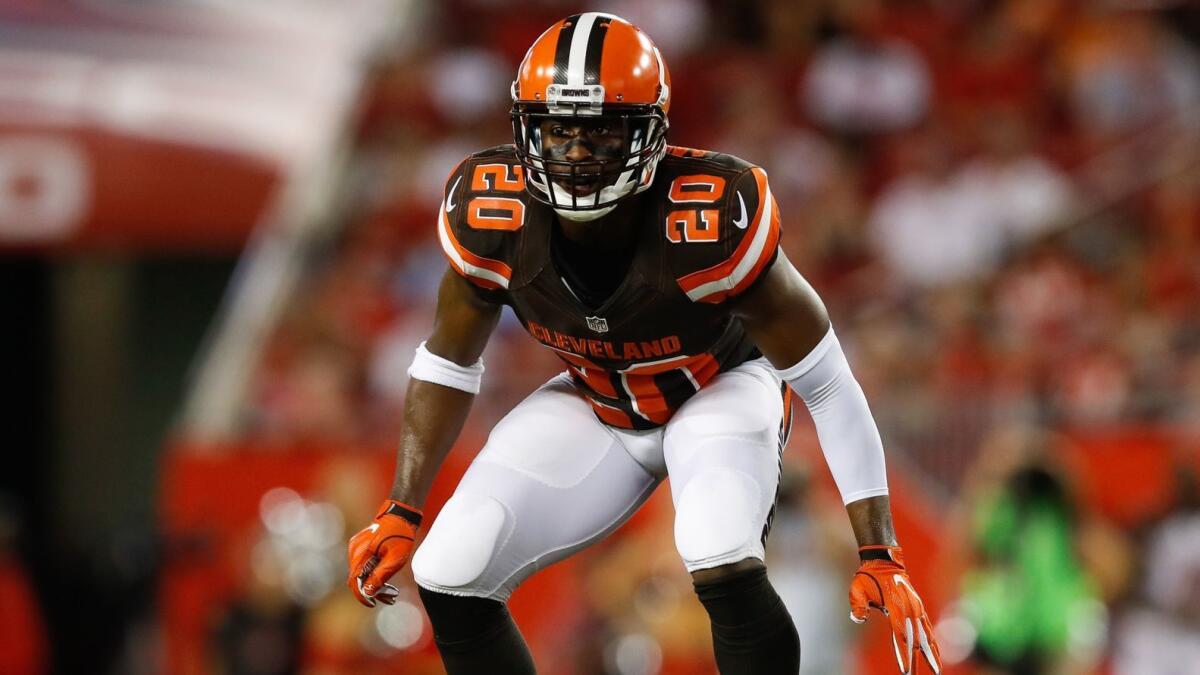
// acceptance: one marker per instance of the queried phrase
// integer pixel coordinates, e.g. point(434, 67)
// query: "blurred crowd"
point(998, 200)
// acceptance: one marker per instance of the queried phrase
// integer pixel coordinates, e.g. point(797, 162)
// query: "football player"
point(654, 273)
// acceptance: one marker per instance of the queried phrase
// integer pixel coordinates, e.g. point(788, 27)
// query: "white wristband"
point(847, 432)
point(429, 367)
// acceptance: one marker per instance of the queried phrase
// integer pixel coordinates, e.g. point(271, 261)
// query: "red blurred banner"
point(152, 126)
point(87, 188)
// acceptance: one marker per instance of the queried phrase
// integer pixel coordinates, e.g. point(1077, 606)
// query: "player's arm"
point(790, 325)
point(443, 381)
point(434, 413)
point(788, 321)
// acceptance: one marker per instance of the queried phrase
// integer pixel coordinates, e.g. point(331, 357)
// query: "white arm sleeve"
point(847, 432)
point(430, 367)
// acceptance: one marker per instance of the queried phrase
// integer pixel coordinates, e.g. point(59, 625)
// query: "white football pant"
point(552, 480)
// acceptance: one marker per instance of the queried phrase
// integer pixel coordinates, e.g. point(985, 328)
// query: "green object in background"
point(1029, 592)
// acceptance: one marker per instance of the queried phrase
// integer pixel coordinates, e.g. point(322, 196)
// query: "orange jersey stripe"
point(680, 151)
point(596, 379)
point(753, 243)
point(725, 269)
point(644, 391)
point(788, 397)
point(767, 251)
point(485, 272)
point(647, 398)
point(703, 368)
point(592, 375)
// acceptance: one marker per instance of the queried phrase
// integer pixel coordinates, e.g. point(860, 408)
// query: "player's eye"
point(600, 132)
point(559, 131)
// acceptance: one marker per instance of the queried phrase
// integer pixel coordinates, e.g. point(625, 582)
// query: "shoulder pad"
point(481, 217)
point(722, 227)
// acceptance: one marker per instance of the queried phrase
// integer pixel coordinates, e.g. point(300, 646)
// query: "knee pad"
point(719, 519)
point(461, 544)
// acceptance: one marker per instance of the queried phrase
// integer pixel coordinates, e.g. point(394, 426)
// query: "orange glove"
point(379, 550)
point(882, 582)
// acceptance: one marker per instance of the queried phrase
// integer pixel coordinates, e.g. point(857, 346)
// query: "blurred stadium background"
point(218, 255)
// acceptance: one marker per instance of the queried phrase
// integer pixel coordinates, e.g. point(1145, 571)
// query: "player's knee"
point(717, 519)
point(457, 618)
point(728, 571)
point(461, 543)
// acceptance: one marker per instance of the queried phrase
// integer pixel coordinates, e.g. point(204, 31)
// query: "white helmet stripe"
point(664, 91)
point(581, 40)
point(579, 45)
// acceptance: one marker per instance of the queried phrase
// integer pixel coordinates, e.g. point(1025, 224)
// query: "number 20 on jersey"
point(697, 224)
point(496, 213)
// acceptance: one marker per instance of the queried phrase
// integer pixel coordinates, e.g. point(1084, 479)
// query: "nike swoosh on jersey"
point(741, 223)
point(450, 197)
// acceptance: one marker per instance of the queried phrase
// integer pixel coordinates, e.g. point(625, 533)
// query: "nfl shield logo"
point(597, 324)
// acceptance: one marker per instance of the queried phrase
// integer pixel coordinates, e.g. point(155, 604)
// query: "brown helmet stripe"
point(562, 51)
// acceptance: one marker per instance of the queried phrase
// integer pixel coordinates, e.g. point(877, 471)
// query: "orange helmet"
point(591, 68)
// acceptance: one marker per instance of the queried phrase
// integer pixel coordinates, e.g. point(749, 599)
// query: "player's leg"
point(722, 454)
point(550, 481)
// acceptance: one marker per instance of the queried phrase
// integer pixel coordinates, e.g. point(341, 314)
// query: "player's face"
point(594, 146)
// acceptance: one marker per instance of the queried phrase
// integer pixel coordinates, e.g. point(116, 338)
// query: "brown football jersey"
point(709, 229)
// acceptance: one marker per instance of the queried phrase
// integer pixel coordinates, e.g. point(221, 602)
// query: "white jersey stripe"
point(452, 253)
point(632, 397)
point(762, 232)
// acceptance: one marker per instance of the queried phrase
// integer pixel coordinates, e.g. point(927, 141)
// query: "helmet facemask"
point(625, 143)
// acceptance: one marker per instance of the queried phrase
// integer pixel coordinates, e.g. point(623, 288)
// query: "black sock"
point(753, 633)
point(476, 636)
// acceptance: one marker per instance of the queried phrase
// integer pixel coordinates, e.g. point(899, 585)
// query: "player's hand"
point(379, 550)
point(882, 582)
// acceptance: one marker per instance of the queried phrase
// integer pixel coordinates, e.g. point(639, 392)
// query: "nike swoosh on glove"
point(379, 550)
point(882, 582)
